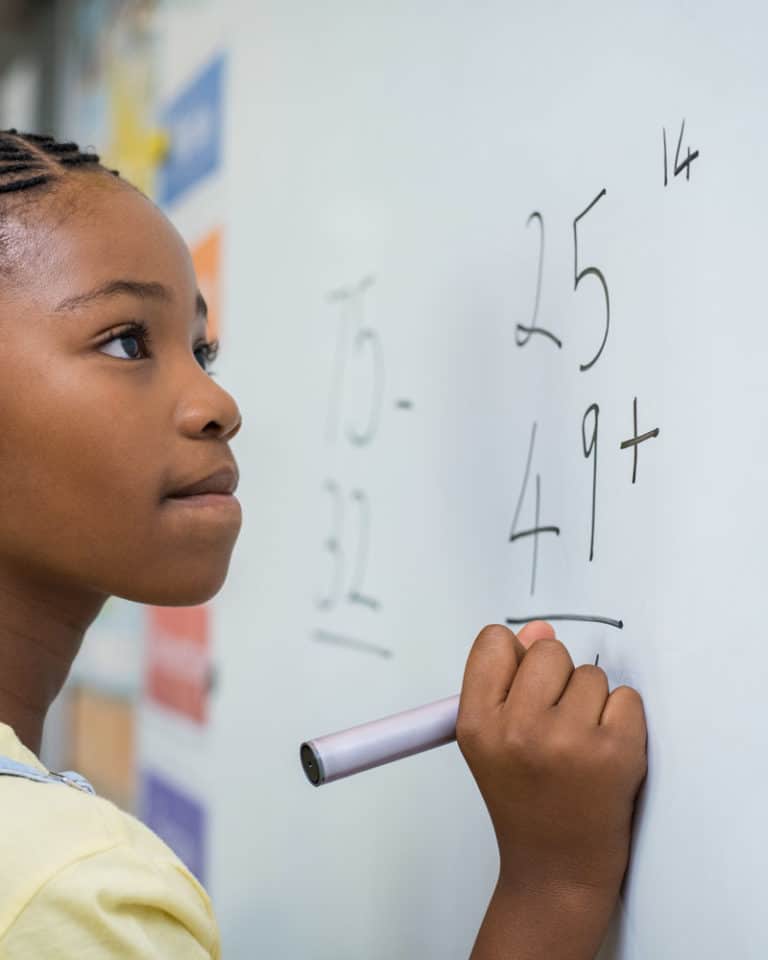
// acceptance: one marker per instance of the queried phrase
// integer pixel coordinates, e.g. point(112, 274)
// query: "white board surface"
point(386, 159)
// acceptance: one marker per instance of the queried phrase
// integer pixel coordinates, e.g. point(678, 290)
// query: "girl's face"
point(96, 431)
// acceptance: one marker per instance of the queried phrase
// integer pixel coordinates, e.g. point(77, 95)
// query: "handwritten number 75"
point(355, 338)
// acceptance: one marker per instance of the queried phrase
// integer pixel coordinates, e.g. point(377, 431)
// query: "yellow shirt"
point(81, 879)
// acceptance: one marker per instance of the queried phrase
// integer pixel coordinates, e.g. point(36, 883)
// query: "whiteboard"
point(391, 168)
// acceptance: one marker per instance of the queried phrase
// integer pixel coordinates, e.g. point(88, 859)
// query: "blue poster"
point(194, 124)
point(176, 818)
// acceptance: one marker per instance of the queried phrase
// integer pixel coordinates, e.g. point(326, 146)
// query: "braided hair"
point(30, 160)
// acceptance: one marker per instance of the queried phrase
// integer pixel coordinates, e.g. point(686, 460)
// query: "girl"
point(113, 429)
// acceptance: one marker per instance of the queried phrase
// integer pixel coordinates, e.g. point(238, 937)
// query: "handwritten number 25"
point(523, 333)
point(579, 275)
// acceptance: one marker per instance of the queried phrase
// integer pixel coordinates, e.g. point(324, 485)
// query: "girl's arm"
point(556, 924)
point(558, 761)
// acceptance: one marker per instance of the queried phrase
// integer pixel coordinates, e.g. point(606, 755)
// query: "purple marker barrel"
point(371, 744)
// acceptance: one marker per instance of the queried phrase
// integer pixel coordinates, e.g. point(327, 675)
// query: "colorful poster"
point(176, 817)
point(194, 125)
point(102, 746)
point(206, 256)
point(177, 665)
point(112, 87)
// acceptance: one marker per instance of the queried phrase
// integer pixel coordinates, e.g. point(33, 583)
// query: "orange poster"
point(206, 256)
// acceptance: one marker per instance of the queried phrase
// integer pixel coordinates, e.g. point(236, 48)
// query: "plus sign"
point(636, 440)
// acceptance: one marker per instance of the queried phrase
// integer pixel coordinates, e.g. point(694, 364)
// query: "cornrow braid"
point(29, 160)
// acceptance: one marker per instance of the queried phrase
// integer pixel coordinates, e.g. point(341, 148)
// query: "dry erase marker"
point(341, 754)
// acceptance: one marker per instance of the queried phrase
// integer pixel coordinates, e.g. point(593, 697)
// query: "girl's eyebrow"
point(134, 288)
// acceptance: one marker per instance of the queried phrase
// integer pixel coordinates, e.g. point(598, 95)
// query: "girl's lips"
point(222, 481)
point(207, 500)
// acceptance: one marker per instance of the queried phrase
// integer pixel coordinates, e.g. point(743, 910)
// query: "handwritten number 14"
point(679, 165)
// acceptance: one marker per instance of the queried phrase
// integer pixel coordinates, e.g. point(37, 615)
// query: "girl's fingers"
point(540, 679)
point(585, 696)
point(491, 667)
point(536, 630)
point(624, 711)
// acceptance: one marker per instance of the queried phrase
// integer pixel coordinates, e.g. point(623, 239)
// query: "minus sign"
point(619, 624)
point(329, 636)
point(404, 404)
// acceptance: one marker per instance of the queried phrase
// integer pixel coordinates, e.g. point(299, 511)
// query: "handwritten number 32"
point(334, 547)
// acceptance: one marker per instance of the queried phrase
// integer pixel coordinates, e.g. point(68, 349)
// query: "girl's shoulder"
point(61, 841)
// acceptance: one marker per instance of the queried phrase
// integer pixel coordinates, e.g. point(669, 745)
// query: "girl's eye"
point(138, 333)
point(210, 350)
point(134, 333)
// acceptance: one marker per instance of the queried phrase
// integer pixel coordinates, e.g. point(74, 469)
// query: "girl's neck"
point(41, 631)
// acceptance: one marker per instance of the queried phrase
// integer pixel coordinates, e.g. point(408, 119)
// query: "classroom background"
point(488, 279)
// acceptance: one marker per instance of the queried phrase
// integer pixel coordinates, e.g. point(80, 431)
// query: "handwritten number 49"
point(538, 528)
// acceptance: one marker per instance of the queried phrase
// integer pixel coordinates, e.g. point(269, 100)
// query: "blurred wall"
point(27, 63)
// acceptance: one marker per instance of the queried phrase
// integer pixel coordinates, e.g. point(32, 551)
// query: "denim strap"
point(72, 778)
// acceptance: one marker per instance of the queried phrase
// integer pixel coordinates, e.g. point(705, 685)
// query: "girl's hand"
point(558, 761)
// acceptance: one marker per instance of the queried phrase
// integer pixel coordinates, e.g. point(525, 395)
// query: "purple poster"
point(177, 818)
